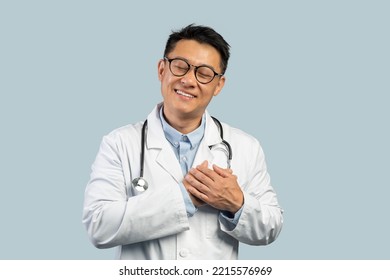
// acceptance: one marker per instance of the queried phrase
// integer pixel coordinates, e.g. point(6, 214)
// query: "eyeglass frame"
point(189, 68)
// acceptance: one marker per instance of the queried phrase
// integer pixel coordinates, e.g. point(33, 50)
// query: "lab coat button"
point(183, 253)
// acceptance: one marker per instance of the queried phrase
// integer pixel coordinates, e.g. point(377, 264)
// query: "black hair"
point(203, 35)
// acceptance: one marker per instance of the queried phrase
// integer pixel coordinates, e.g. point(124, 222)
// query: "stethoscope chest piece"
point(140, 184)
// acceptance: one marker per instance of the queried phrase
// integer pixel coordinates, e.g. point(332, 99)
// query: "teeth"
point(184, 94)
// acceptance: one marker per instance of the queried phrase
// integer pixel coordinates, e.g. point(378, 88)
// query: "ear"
point(220, 85)
point(160, 69)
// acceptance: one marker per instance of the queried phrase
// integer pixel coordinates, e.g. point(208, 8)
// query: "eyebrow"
point(195, 65)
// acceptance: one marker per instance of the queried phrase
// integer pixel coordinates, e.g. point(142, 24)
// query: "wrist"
point(237, 204)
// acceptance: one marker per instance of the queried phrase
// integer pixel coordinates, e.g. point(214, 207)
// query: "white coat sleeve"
point(112, 217)
point(261, 218)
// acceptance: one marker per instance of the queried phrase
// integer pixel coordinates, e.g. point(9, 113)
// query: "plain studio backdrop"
point(309, 79)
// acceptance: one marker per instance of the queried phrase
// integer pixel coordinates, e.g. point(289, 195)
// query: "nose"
point(189, 78)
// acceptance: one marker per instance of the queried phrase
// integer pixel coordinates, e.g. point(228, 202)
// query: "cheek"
point(210, 92)
point(166, 78)
point(167, 83)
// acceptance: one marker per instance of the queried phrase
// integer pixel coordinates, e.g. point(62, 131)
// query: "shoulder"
point(125, 134)
point(236, 134)
point(243, 143)
point(248, 155)
point(126, 129)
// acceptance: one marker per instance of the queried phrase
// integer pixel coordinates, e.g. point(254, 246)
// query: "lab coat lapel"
point(168, 161)
point(156, 140)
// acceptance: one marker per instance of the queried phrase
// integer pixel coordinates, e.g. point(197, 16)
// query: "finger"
point(186, 184)
point(206, 171)
point(195, 200)
point(196, 183)
point(222, 172)
point(201, 176)
point(197, 194)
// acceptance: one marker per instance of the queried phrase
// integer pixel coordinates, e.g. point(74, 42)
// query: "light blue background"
point(309, 79)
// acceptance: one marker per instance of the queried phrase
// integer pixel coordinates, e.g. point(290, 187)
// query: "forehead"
point(197, 53)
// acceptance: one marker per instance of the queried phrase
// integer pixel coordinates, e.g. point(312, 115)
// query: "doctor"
point(196, 205)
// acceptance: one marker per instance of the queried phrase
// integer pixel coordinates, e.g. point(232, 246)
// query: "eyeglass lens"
point(180, 67)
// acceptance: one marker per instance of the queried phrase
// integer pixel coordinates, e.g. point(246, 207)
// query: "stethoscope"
point(141, 185)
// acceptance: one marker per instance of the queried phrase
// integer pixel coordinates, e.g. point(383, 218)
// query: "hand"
point(196, 201)
point(217, 187)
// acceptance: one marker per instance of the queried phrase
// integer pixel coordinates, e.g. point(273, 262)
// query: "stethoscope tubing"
point(141, 184)
point(143, 148)
point(226, 143)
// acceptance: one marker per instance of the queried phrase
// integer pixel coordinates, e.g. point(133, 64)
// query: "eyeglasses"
point(203, 74)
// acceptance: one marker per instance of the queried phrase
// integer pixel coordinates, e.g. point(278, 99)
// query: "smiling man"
point(181, 185)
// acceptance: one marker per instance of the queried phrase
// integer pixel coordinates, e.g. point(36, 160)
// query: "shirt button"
point(183, 253)
point(184, 159)
point(176, 144)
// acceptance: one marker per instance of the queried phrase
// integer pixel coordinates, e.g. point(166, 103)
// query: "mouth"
point(182, 93)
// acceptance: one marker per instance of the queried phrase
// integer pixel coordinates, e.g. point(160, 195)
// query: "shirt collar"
point(174, 136)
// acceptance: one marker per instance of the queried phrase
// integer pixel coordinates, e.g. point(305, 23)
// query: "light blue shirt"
point(185, 147)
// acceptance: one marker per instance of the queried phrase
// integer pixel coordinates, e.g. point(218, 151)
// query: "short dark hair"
point(203, 35)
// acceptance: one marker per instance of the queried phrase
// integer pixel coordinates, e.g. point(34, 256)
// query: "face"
point(184, 97)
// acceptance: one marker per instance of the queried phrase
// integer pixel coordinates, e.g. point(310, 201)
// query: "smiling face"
point(184, 97)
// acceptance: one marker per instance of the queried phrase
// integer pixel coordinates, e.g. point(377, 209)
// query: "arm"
point(114, 217)
point(261, 219)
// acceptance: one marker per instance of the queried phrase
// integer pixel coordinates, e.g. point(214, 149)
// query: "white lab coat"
point(154, 224)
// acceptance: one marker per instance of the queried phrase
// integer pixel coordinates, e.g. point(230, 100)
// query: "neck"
point(184, 125)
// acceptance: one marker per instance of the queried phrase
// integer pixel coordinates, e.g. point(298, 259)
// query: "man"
point(197, 205)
